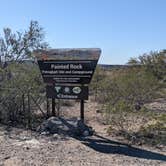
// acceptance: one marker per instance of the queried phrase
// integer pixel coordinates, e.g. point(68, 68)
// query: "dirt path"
point(19, 147)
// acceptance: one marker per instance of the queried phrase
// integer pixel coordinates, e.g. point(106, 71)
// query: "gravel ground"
point(20, 147)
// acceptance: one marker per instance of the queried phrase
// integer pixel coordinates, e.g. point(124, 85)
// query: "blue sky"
point(121, 28)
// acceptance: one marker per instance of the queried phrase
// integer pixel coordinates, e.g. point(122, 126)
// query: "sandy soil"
point(20, 147)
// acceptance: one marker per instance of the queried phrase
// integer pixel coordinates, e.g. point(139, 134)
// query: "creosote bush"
point(124, 93)
point(20, 79)
point(24, 80)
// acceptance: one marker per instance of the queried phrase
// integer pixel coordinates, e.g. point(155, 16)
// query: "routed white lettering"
point(73, 66)
point(53, 66)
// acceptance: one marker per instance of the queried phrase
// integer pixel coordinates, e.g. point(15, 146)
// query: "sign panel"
point(67, 92)
point(73, 66)
point(71, 71)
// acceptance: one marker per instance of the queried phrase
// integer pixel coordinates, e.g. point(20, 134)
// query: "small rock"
point(7, 157)
point(24, 138)
point(85, 133)
point(82, 127)
point(98, 111)
point(55, 135)
point(45, 133)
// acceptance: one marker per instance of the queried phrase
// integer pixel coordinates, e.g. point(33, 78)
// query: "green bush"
point(24, 80)
point(125, 95)
point(20, 78)
point(154, 132)
point(132, 87)
point(154, 62)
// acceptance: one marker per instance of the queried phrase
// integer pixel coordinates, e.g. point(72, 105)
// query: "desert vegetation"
point(124, 94)
point(21, 85)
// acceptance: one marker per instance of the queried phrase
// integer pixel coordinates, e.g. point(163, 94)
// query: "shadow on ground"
point(104, 145)
point(107, 146)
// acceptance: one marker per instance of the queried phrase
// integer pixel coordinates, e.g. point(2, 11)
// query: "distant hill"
point(109, 67)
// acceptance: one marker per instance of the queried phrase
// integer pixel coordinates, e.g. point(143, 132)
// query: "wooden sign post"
point(67, 73)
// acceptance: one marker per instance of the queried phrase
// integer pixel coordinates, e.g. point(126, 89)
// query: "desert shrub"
point(133, 87)
point(24, 80)
point(154, 132)
point(125, 96)
point(143, 127)
point(116, 115)
point(97, 81)
point(154, 62)
point(19, 75)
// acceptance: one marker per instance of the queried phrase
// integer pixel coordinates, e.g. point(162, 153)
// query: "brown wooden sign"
point(71, 66)
point(67, 72)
